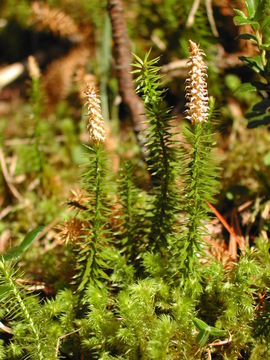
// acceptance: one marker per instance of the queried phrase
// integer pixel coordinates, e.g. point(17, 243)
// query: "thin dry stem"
point(33, 68)
point(8, 179)
point(191, 16)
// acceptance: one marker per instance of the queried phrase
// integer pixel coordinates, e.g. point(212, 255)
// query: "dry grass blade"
point(8, 179)
point(234, 238)
point(5, 328)
point(191, 16)
point(210, 15)
point(61, 338)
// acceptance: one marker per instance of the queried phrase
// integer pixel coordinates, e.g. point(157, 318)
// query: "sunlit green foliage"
point(137, 279)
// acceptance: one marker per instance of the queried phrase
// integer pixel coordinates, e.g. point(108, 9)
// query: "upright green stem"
point(194, 206)
point(161, 213)
point(96, 226)
point(160, 146)
point(128, 197)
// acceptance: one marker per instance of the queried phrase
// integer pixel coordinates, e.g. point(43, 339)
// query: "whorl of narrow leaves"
point(196, 88)
point(128, 197)
point(95, 118)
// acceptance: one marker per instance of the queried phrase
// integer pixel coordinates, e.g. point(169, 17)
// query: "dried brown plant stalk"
point(54, 20)
point(196, 86)
point(123, 62)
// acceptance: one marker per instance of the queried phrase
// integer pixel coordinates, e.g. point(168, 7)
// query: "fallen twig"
point(244, 206)
point(5, 328)
point(191, 16)
point(238, 231)
point(221, 218)
point(221, 343)
point(61, 338)
point(210, 15)
point(8, 179)
point(224, 60)
point(175, 65)
point(217, 343)
point(123, 62)
point(10, 73)
point(234, 238)
point(4, 237)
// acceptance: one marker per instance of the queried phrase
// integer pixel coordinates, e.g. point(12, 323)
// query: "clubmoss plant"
point(20, 307)
point(129, 217)
point(198, 167)
point(90, 257)
point(145, 285)
point(160, 152)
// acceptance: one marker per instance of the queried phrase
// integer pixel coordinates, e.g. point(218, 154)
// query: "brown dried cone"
point(196, 86)
point(45, 18)
point(83, 80)
point(59, 74)
point(71, 230)
point(95, 119)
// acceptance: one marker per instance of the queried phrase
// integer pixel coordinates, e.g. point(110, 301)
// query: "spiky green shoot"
point(14, 299)
point(160, 152)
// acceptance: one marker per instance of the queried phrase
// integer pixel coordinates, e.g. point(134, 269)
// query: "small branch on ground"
point(191, 16)
point(8, 179)
point(234, 238)
point(5, 328)
point(210, 15)
point(61, 338)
